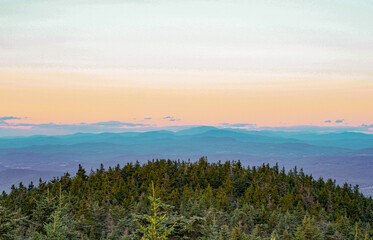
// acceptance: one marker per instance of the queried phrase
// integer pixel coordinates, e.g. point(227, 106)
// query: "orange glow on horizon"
point(198, 98)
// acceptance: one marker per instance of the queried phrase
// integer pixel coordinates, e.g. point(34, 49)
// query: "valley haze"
point(343, 156)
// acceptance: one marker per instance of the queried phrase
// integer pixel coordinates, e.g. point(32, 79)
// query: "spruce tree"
point(308, 230)
point(8, 223)
point(155, 230)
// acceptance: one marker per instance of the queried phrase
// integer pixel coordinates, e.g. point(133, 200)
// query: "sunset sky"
point(115, 65)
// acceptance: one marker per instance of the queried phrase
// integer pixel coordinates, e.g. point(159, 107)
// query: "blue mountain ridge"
point(320, 154)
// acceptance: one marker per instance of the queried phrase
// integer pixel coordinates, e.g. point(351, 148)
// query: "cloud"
point(171, 118)
point(6, 118)
point(148, 118)
point(54, 128)
point(336, 121)
point(238, 125)
point(320, 129)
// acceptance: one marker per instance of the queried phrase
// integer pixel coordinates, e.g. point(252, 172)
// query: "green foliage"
point(237, 234)
point(55, 230)
point(8, 223)
point(201, 201)
point(155, 230)
point(308, 230)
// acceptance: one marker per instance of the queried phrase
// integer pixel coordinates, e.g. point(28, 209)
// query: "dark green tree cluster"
point(200, 200)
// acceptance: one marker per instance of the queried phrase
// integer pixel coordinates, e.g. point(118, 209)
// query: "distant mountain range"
point(344, 156)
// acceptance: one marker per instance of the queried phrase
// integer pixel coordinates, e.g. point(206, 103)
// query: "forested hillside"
point(200, 200)
point(345, 157)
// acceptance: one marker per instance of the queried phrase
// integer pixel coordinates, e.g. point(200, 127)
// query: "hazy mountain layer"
point(343, 156)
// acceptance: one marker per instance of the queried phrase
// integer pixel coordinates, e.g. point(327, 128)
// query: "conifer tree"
point(237, 234)
point(286, 235)
point(224, 233)
point(231, 201)
point(8, 223)
point(329, 232)
point(307, 231)
point(155, 230)
point(55, 230)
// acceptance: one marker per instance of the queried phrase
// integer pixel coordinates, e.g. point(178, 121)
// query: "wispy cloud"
point(9, 118)
point(327, 121)
point(339, 121)
point(54, 128)
point(4, 120)
point(171, 119)
point(320, 129)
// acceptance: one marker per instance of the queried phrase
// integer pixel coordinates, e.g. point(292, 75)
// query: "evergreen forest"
point(166, 199)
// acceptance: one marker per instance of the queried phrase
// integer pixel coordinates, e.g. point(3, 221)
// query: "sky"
point(118, 65)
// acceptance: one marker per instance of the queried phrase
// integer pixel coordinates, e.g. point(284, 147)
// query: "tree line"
point(189, 200)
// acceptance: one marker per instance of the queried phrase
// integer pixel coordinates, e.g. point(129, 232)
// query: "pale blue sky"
point(289, 36)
